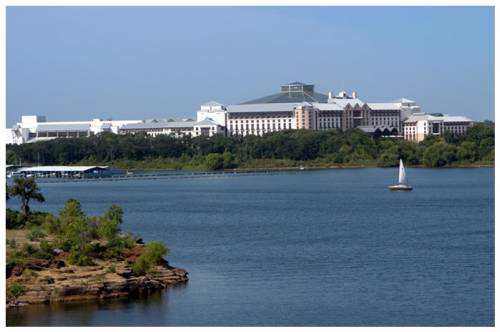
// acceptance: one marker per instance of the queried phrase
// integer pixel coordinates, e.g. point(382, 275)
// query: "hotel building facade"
point(295, 106)
point(420, 125)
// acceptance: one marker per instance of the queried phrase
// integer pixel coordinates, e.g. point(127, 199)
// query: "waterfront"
point(331, 247)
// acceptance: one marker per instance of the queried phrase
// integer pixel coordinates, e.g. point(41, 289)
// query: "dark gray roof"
point(265, 107)
point(294, 97)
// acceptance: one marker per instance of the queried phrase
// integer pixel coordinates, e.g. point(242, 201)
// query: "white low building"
point(188, 127)
point(155, 128)
point(420, 125)
point(33, 128)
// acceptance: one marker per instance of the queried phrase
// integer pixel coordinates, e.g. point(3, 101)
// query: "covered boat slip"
point(63, 171)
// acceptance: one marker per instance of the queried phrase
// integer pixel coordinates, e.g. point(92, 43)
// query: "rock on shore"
point(103, 281)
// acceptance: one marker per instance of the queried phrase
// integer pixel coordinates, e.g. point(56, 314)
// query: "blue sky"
point(78, 63)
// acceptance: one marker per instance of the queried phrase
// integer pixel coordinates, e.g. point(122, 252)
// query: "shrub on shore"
point(150, 257)
point(15, 289)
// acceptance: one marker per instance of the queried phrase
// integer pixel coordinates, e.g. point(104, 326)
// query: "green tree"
point(439, 154)
point(76, 233)
point(108, 228)
point(214, 161)
point(467, 151)
point(26, 189)
point(108, 225)
point(114, 213)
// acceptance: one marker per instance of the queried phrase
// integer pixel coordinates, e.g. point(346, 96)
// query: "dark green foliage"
point(75, 234)
point(14, 219)
point(214, 161)
point(26, 189)
point(150, 257)
point(229, 160)
point(439, 154)
point(37, 218)
point(218, 152)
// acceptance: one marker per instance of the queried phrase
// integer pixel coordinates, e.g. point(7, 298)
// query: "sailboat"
point(402, 185)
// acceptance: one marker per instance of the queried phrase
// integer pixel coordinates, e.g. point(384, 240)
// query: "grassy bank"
point(197, 165)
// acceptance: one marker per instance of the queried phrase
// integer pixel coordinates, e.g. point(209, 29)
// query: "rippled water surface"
point(322, 248)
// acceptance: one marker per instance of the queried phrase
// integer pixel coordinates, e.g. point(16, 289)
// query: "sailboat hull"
point(400, 187)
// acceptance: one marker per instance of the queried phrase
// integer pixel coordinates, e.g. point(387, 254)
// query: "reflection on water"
point(84, 313)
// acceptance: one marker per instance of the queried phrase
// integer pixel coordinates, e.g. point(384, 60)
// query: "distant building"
point(420, 125)
point(296, 106)
point(205, 127)
point(154, 128)
point(33, 128)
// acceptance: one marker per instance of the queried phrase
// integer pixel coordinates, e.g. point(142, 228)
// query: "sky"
point(80, 63)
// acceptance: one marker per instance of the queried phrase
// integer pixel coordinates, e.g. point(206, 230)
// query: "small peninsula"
point(75, 257)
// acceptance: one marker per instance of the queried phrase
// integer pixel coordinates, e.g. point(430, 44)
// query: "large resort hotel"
point(296, 106)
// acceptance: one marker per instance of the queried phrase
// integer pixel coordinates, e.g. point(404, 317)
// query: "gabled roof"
point(343, 102)
point(205, 122)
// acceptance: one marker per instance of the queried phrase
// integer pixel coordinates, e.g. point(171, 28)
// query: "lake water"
point(319, 248)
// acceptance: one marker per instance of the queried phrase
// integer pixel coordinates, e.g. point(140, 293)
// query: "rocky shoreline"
point(46, 282)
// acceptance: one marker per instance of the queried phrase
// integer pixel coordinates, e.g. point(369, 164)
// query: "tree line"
point(325, 147)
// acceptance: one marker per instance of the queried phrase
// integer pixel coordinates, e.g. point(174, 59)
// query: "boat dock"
point(154, 175)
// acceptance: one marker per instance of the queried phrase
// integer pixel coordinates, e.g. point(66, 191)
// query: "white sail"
point(402, 172)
